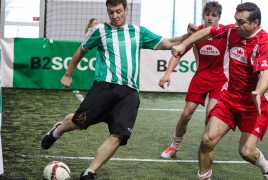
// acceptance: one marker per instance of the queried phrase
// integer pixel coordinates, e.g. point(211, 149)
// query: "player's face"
point(117, 15)
point(211, 19)
point(244, 27)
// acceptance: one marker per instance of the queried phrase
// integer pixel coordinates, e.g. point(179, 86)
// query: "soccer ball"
point(56, 170)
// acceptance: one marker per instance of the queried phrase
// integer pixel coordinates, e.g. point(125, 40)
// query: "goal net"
point(67, 19)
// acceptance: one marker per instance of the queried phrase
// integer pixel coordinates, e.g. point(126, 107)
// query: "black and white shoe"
point(48, 139)
point(89, 176)
point(265, 176)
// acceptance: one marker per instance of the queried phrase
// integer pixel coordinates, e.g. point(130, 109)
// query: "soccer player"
point(212, 61)
point(114, 97)
point(248, 74)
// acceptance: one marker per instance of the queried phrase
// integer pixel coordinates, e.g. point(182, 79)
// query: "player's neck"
point(255, 31)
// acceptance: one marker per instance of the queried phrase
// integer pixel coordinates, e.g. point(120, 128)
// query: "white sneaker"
point(169, 152)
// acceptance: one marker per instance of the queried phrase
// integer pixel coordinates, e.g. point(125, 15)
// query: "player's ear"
point(256, 23)
point(126, 10)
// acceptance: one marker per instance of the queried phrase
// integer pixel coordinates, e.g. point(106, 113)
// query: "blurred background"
point(66, 19)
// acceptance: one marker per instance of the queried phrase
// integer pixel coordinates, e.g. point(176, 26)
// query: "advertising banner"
point(154, 65)
point(40, 64)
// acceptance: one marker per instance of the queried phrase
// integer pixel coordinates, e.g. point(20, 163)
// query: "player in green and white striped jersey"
point(118, 55)
point(113, 98)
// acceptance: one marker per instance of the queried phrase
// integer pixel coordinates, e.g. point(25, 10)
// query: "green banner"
point(41, 63)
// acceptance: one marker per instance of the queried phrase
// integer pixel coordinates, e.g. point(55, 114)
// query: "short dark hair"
point(116, 2)
point(255, 12)
point(212, 6)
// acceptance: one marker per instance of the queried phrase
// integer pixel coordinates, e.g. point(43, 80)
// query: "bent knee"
point(69, 118)
point(246, 152)
point(69, 121)
point(207, 143)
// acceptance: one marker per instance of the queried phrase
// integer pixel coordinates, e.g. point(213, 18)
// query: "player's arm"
point(261, 87)
point(66, 80)
point(199, 36)
point(168, 43)
point(173, 62)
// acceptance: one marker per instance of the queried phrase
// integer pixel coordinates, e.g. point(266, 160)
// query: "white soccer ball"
point(56, 170)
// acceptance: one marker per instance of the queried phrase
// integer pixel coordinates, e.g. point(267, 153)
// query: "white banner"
point(152, 68)
point(154, 65)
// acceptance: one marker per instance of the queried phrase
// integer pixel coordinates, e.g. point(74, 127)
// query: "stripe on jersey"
point(108, 73)
point(116, 62)
point(137, 63)
point(226, 60)
point(129, 63)
point(110, 61)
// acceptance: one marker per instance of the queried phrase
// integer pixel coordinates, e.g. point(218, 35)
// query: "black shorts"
point(117, 105)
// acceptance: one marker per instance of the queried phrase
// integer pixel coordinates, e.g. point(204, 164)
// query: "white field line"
point(134, 159)
point(81, 98)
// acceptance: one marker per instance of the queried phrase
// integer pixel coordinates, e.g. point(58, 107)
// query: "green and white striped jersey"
point(118, 52)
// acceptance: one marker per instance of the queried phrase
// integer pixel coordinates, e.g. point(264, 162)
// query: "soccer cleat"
point(169, 152)
point(48, 138)
point(89, 176)
point(265, 175)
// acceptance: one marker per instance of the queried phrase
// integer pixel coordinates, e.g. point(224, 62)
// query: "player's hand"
point(66, 81)
point(163, 80)
point(178, 50)
point(192, 28)
point(257, 100)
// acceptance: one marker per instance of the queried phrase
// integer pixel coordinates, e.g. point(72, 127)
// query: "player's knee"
point(68, 121)
point(186, 115)
point(68, 118)
point(246, 152)
point(116, 138)
point(207, 144)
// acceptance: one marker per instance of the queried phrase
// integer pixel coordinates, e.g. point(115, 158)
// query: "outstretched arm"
point(66, 80)
point(167, 43)
point(199, 36)
point(173, 62)
point(262, 86)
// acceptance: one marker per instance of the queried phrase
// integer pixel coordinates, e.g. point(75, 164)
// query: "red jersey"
point(248, 56)
point(212, 58)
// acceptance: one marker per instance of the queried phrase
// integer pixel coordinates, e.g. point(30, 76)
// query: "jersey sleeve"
point(261, 61)
point(92, 38)
point(149, 40)
point(221, 32)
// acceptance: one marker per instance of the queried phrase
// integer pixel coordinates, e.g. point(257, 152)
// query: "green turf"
point(29, 114)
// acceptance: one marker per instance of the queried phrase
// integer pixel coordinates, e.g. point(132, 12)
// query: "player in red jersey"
point(248, 77)
point(212, 61)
